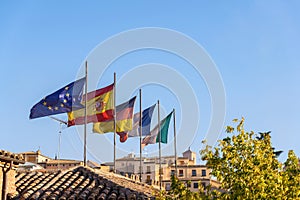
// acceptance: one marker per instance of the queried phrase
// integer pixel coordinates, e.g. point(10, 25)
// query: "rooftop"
point(7, 156)
point(79, 183)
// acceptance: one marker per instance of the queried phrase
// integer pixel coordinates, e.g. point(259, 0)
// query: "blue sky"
point(255, 45)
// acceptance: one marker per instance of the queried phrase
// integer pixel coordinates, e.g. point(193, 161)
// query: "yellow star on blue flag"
point(64, 100)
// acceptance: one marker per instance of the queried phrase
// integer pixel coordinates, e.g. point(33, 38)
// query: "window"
point(196, 185)
point(203, 172)
point(172, 172)
point(148, 169)
point(188, 184)
point(149, 180)
point(180, 172)
point(161, 171)
point(194, 172)
point(203, 185)
point(168, 186)
point(31, 159)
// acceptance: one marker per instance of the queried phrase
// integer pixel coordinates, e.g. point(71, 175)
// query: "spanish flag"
point(124, 114)
point(100, 107)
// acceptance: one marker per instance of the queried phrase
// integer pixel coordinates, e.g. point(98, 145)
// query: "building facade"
point(60, 164)
point(36, 157)
point(187, 170)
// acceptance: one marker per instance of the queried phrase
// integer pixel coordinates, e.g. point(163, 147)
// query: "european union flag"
point(63, 100)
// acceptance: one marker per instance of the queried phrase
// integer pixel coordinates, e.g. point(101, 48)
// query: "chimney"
point(9, 162)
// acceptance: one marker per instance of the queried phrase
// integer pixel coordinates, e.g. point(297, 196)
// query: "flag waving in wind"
point(154, 134)
point(124, 114)
point(63, 100)
point(99, 107)
point(146, 122)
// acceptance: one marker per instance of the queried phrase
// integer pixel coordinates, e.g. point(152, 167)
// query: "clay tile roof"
point(6, 156)
point(79, 183)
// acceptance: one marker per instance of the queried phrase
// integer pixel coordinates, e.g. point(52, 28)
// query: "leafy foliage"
point(179, 190)
point(292, 176)
point(246, 165)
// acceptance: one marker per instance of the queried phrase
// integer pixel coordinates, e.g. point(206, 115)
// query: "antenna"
point(61, 122)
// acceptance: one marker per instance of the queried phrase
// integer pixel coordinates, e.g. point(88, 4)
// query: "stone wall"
point(11, 182)
point(10, 174)
point(8, 164)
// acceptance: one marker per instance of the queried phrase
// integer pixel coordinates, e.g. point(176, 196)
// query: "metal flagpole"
point(59, 132)
point(85, 113)
point(59, 140)
point(141, 133)
point(115, 122)
point(175, 149)
point(159, 144)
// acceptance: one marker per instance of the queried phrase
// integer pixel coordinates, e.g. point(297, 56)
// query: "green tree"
point(246, 165)
point(179, 190)
point(292, 176)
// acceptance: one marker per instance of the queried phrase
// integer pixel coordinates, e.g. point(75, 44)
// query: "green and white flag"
point(153, 137)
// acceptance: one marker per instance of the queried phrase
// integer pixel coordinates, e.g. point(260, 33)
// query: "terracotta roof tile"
point(79, 183)
point(8, 156)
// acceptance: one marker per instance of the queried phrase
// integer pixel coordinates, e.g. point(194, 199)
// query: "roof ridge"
point(9, 156)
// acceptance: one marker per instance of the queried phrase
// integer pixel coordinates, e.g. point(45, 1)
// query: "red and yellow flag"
point(124, 114)
point(100, 107)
